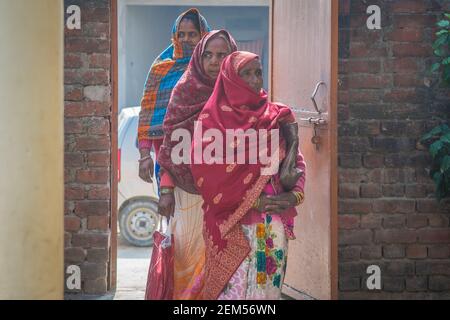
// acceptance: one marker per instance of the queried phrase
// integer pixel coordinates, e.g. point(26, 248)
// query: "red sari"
point(230, 190)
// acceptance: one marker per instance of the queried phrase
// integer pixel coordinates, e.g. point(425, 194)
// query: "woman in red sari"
point(248, 213)
point(179, 196)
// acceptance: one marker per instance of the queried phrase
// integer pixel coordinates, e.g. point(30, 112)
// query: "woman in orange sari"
point(248, 212)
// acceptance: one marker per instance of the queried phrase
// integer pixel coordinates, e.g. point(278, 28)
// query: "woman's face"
point(188, 33)
point(216, 50)
point(251, 73)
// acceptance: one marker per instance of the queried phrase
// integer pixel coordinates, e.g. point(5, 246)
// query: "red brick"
point(86, 109)
point(408, 80)
point(395, 236)
point(438, 221)
point(411, 50)
point(98, 126)
point(73, 193)
point(96, 14)
point(416, 191)
point(408, 6)
point(99, 159)
point(371, 221)
point(365, 50)
point(373, 160)
point(394, 221)
point(368, 82)
point(92, 271)
point(364, 66)
point(95, 77)
point(405, 35)
point(428, 206)
point(73, 93)
point(96, 29)
point(401, 175)
point(72, 61)
point(416, 251)
point(393, 206)
point(439, 283)
point(91, 240)
point(371, 252)
point(417, 221)
point(86, 45)
point(434, 236)
point(416, 283)
point(102, 61)
point(396, 268)
point(349, 284)
point(73, 160)
point(99, 193)
point(91, 207)
point(375, 175)
point(98, 176)
point(349, 253)
point(98, 223)
point(350, 160)
point(97, 255)
point(72, 224)
point(369, 128)
point(393, 284)
point(74, 255)
point(73, 126)
point(355, 206)
point(349, 221)
point(98, 286)
point(439, 251)
point(93, 143)
point(393, 251)
point(354, 237)
point(402, 95)
point(393, 190)
point(370, 191)
point(351, 176)
point(430, 267)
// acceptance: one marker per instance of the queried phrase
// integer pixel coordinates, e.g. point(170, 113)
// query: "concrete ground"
point(132, 269)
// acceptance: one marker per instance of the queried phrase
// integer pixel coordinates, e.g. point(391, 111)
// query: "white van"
point(137, 200)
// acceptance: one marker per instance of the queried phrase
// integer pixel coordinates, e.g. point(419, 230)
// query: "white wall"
point(144, 31)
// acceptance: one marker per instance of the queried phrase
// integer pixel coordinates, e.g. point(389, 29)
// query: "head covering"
point(164, 74)
point(187, 101)
point(230, 190)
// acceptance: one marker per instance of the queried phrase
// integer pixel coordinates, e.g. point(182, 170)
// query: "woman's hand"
point(166, 205)
point(277, 203)
point(289, 174)
point(146, 166)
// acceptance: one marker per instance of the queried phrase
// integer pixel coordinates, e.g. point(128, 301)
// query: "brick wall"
point(87, 144)
point(387, 100)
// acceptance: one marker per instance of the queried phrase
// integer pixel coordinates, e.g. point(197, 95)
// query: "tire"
point(138, 220)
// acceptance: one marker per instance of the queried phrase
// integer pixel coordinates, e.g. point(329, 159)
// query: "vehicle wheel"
point(138, 221)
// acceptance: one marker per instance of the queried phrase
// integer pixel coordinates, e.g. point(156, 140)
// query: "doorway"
point(279, 29)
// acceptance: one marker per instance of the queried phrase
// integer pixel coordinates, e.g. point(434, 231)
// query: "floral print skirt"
point(260, 276)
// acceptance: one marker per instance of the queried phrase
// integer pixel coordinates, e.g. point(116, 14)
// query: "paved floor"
point(132, 268)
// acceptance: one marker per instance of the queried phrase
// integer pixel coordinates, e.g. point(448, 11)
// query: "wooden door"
point(304, 53)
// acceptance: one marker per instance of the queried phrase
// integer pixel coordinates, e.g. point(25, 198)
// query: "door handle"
point(313, 96)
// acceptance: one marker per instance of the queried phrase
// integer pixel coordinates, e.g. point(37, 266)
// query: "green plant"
point(438, 142)
point(442, 48)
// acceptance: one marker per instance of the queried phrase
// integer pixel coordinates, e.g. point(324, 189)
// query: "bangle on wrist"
point(256, 204)
point(299, 196)
point(166, 190)
point(144, 158)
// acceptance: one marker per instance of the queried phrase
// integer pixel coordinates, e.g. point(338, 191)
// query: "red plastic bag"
point(160, 273)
